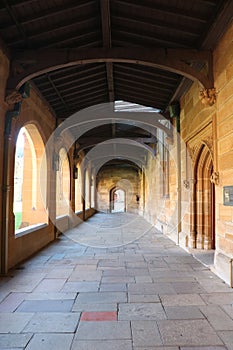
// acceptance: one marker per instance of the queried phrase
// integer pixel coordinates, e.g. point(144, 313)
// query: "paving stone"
point(188, 333)
point(14, 340)
point(101, 297)
point(218, 298)
point(13, 323)
point(144, 279)
point(25, 282)
point(151, 288)
point(228, 309)
point(82, 276)
point(227, 337)
point(12, 301)
point(52, 341)
point(103, 330)
point(139, 311)
point(102, 345)
point(94, 307)
point(80, 287)
point(118, 279)
point(60, 273)
point(99, 316)
point(46, 306)
point(50, 296)
point(143, 298)
point(145, 333)
point(183, 312)
point(203, 348)
point(53, 323)
point(181, 300)
point(50, 285)
point(188, 287)
point(218, 319)
point(157, 348)
point(113, 287)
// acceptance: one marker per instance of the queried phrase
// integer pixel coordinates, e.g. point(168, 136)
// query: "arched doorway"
point(117, 200)
point(204, 200)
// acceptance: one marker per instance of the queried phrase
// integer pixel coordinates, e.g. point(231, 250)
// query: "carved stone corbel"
point(14, 97)
point(214, 178)
point(208, 96)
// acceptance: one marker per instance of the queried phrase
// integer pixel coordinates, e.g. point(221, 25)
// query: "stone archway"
point(204, 200)
point(117, 200)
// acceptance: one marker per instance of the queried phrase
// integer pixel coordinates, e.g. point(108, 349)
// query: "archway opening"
point(204, 208)
point(30, 169)
point(117, 200)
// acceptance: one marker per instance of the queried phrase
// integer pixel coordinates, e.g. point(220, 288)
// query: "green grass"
point(18, 220)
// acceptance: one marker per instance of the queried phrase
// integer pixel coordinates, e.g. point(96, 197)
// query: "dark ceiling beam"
point(219, 26)
point(140, 90)
point(18, 3)
point(95, 73)
point(143, 84)
point(173, 60)
point(57, 10)
point(58, 93)
point(165, 10)
point(148, 39)
point(13, 16)
point(151, 25)
point(130, 97)
point(81, 93)
point(107, 43)
point(150, 74)
point(150, 81)
point(85, 36)
point(90, 22)
point(85, 86)
point(143, 99)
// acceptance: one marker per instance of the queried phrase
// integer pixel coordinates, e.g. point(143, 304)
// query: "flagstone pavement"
point(114, 283)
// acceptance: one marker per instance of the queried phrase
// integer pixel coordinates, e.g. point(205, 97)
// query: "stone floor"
point(125, 287)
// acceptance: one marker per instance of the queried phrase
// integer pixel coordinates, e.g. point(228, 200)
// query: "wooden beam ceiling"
point(107, 43)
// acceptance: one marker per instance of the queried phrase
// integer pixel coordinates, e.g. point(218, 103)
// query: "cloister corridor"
point(114, 282)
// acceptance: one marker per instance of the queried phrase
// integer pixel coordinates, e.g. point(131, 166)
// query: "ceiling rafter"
point(15, 19)
point(52, 30)
point(107, 43)
point(150, 75)
point(65, 77)
point(121, 77)
point(85, 86)
point(142, 23)
point(165, 10)
point(57, 92)
point(73, 5)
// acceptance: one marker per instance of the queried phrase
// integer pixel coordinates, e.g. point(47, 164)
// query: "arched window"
point(29, 173)
point(63, 184)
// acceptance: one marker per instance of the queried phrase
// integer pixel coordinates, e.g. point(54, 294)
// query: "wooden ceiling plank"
point(164, 10)
point(15, 19)
point(107, 43)
point(64, 26)
point(148, 75)
point(153, 85)
point(74, 5)
point(58, 93)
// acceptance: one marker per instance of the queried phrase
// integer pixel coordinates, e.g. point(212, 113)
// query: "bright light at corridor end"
point(119, 228)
